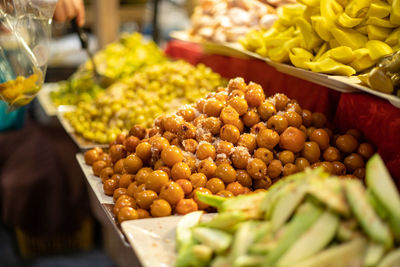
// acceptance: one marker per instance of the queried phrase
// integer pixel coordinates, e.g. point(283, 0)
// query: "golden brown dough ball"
point(172, 192)
point(156, 180)
point(251, 118)
point(254, 94)
point(277, 123)
point(311, 151)
point(347, 143)
point(180, 170)
point(239, 104)
point(230, 133)
point(266, 110)
point(226, 173)
point(207, 167)
point(264, 154)
point(257, 168)
point(248, 141)
point(145, 198)
point(127, 213)
point(171, 155)
point(186, 206)
point(267, 138)
point(229, 115)
point(160, 208)
point(206, 150)
point(212, 107)
point(215, 185)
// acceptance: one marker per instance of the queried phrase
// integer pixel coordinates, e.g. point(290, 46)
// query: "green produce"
point(139, 99)
point(336, 37)
point(117, 61)
point(340, 226)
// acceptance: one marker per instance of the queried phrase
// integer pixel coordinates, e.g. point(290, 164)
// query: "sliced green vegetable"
point(375, 228)
point(392, 259)
point(381, 184)
point(212, 200)
point(226, 220)
point(313, 241)
point(217, 240)
point(344, 255)
point(183, 228)
point(306, 216)
point(374, 254)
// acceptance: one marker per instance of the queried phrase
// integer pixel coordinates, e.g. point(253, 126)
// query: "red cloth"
point(375, 117)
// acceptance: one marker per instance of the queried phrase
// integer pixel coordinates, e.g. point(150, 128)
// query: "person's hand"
point(70, 9)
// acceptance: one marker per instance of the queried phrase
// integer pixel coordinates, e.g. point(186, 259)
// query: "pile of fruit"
point(139, 99)
point(232, 142)
point(226, 21)
point(117, 61)
point(309, 219)
point(330, 36)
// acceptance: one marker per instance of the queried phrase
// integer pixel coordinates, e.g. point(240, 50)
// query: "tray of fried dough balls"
point(234, 141)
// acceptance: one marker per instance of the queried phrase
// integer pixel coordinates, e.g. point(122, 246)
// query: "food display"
point(231, 142)
point(117, 61)
point(308, 219)
point(329, 36)
point(140, 98)
point(385, 77)
point(226, 21)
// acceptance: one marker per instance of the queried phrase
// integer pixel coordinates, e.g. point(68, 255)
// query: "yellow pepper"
point(278, 54)
point(331, 66)
point(380, 22)
point(379, 9)
point(362, 60)
point(342, 54)
point(378, 33)
point(252, 41)
point(327, 10)
point(357, 8)
point(323, 48)
point(395, 14)
point(299, 56)
point(362, 29)
point(310, 37)
point(378, 49)
point(333, 43)
point(309, 12)
point(313, 3)
point(321, 27)
point(346, 21)
point(349, 37)
point(393, 38)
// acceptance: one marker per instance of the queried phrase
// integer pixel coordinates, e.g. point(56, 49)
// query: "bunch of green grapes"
point(139, 99)
point(117, 61)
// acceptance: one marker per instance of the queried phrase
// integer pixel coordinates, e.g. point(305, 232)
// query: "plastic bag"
point(25, 31)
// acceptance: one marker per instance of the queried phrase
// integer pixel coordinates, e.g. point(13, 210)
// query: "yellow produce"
point(379, 9)
point(339, 37)
point(395, 12)
point(378, 49)
point(377, 33)
point(299, 57)
point(330, 66)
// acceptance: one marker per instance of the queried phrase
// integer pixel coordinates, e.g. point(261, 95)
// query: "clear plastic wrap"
point(24, 48)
